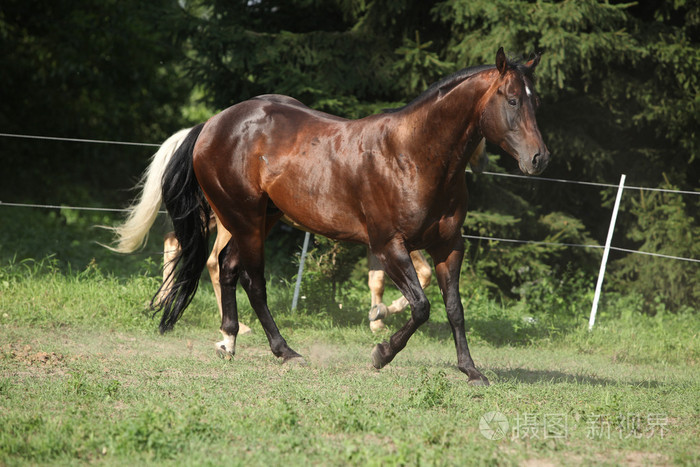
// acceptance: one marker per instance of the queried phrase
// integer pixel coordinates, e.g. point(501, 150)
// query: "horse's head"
point(508, 114)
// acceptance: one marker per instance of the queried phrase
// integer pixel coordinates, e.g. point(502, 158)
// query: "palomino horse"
point(393, 181)
point(132, 234)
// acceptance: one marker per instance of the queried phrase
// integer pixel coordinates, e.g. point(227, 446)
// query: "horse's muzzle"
point(536, 164)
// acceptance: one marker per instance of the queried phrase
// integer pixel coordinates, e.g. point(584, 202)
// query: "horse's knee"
point(230, 327)
point(420, 311)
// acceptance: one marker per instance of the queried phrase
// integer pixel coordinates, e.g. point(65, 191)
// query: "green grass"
point(86, 379)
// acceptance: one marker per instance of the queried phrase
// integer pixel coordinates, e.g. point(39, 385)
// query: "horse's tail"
point(190, 214)
point(133, 232)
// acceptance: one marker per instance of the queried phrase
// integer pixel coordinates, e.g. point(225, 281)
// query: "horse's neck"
point(450, 123)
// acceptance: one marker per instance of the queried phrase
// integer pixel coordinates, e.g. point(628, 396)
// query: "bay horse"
point(376, 277)
point(132, 234)
point(393, 181)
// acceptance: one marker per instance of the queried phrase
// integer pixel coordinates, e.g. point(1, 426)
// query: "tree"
point(91, 69)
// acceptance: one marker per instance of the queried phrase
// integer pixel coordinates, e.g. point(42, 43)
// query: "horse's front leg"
point(398, 265)
point(424, 274)
point(448, 263)
point(378, 311)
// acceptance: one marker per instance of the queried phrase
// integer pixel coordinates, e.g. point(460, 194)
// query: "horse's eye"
point(513, 102)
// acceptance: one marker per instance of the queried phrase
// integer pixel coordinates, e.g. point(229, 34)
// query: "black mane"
point(455, 78)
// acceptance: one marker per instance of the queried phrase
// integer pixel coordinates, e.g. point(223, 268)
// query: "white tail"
point(132, 234)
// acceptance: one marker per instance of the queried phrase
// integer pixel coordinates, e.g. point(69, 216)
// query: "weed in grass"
point(432, 391)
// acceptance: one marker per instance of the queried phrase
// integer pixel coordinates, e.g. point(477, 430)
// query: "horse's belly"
point(322, 217)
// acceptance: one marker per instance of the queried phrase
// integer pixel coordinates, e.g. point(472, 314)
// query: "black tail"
point(190, 214)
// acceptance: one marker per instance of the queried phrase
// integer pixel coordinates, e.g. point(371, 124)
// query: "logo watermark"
point(495, 425)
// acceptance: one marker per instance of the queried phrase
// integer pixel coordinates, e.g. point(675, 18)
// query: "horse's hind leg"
point(222, 238)
point(252, 266)
point(378, 311)
point(171, 248)
point(227, 278)
point(397, 263)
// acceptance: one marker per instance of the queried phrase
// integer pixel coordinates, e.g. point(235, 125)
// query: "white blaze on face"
point(528, 91)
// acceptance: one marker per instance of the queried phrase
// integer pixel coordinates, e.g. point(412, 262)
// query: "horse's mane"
point(456, 78)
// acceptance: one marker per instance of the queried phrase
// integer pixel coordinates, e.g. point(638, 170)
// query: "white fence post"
point(297, 287)
point(603, 263)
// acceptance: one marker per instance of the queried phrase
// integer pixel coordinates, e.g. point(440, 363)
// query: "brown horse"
point(394, 181)
point(376, 277)
point(132, 234)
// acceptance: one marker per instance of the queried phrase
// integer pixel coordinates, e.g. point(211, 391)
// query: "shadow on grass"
point(496, 331)
point(525, 376)
point(493, 329)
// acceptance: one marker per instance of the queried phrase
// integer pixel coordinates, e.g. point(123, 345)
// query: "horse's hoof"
point(221, 352)
point(243, 329)
point(296, 360)
point(479, 382)
point(475, 377)
point(379, 311)
point(378, 358)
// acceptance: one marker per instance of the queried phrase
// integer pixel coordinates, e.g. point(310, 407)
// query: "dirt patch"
point(26, 354)
point(645, 458)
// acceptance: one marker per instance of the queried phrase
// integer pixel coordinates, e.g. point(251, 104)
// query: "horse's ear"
point(501, 61)
point(534, 61)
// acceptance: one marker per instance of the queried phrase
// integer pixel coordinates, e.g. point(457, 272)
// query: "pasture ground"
point(85, 379)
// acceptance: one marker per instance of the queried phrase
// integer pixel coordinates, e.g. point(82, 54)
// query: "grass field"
point(85, 379)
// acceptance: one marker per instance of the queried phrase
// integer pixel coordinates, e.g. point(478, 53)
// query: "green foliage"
point(102, 70)
point(631, 336)
point(327, 269)
point(71, 239)
point(418, 65)
point(516, 270)
point(248, 49)
point(432, 391)
point(661, 224)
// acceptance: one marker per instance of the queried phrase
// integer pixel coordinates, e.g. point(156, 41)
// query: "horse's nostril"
point(536, 160)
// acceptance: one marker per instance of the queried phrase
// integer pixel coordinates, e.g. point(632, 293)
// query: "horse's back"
point(274, 147)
